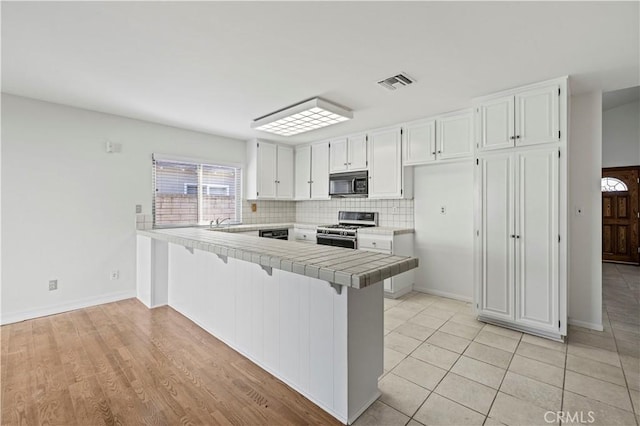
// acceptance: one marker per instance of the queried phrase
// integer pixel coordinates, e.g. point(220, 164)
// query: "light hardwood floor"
point(121, 363)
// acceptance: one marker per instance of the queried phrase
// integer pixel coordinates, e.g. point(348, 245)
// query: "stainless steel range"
point(345, 233)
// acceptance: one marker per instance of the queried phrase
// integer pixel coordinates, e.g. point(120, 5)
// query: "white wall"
point(444, 243)
point(585, 239)
point(68, 207)
point(621, 136)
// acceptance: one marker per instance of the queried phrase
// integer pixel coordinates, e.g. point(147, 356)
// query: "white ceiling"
point(215, 66)
point(620, 97)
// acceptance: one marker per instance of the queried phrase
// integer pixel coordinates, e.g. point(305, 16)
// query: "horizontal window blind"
point(187, 193)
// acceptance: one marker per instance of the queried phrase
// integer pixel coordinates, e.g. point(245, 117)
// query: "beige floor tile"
point(547, 343)
point(419, 372)
point(488, 354)
point(606, 392)
point(596, 369)
point(626, 347)
point(401, 343)
point(449, 341)
point(631, 368)
point(441, 411)
point(471, 394)
point(603, 414)
point(401, 394)
point(537, 370)
point(380, 414)
point(479, 371)
point(390, 303)
point(397, 312)
point(438, 312)
point(467, 319)
point(513, 411)
point(533, 391)
point(415, 331)
point(502, 331)
point(460, 330)
point(391, 323)
point(422, 299)
point(427, 321)
point(600, 340)
point(410, 306)
point(392, 358)
point(593, 353)
point(548, 356)
point(631, 336)
point(413, 422)
point(635, 399)
point(497, 341)
point(493, 422)
point(435, 355)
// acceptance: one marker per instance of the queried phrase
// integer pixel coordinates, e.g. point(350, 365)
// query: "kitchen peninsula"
point(311, 315)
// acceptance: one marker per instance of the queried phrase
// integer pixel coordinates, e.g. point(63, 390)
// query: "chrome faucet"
point(216, 223)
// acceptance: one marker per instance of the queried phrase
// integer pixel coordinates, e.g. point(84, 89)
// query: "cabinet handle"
point(518, 137)
point(311, 181)
point(512, 137)
point(374, 243)
point(439, 152)
point(518, 236)
point(513, 236)
point(349, 163)
point(345, 164)
point(433, 153)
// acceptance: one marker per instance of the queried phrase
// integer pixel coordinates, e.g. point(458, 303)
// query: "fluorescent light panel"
point(302, 117)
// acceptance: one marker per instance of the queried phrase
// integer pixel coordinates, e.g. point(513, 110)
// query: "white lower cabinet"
point(305, 235)
point(519, 240)
point(401, 245)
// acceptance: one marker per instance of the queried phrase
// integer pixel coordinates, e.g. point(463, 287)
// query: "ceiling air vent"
point(396, 82)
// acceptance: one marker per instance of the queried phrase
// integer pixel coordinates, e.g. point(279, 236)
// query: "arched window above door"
point(611, 184)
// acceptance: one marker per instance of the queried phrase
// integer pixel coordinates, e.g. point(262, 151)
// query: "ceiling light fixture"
point(302, 117)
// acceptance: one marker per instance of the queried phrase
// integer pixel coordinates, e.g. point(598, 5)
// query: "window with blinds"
point(192, 193)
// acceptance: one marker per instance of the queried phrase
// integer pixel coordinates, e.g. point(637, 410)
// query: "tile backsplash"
point(396, 213)
point(269, 212)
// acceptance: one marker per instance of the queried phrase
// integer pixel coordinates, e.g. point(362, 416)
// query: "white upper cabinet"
point(312, 172)
point(284, 179)
point(320, 171)
point(525, 117)
point(385, 166)
point(269, 172)
point(347, 154)
point(419, 142)
point(537, 116)
point(447, 137)
point(303, 173)
point(455, 135)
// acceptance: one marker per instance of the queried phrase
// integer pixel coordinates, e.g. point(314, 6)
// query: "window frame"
point(199, 162)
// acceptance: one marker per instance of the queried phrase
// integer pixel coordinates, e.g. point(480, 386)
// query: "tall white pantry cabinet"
point(521, 209)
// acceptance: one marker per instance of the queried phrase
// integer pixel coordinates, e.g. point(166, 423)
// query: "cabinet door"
point(419, 142)
point(537, 244)
point(338, 156)
point(320, 171)
point(455, 135)
point(267, 172)
point(498, 236)
point(302, 182)
point(284, 189)
point(538, 116)
point(496, 121)
point(357, 152)
point(385, 171)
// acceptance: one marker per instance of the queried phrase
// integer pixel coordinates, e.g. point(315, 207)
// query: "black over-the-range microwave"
point(350, 184)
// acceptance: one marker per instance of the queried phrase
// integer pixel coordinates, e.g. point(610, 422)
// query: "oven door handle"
point(335, 237)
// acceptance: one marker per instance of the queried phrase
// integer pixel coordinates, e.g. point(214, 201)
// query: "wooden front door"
point(620, 214)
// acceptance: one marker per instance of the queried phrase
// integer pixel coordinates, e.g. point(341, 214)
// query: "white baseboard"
point(8, 318)
point(443, 294)
point(585, 324)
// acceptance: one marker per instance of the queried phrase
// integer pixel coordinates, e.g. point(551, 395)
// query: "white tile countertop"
point(352, 268)
point(379, 230)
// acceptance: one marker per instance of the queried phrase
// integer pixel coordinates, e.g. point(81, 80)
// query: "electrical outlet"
point(115, 275)
point(443, 209)
point(138, 208)
point(53, 285)
point(395, 209)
